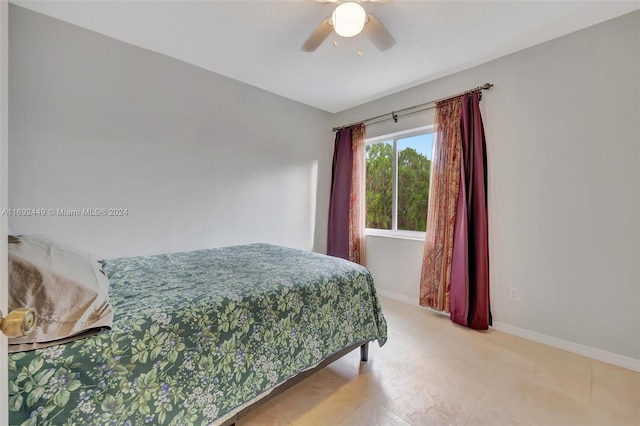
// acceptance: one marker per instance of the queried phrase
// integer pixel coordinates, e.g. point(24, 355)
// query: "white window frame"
point(394, 232)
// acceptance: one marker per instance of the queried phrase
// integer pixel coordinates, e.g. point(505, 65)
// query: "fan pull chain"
point(360, 52)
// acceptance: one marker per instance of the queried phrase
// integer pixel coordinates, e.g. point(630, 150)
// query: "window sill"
point(400, 235)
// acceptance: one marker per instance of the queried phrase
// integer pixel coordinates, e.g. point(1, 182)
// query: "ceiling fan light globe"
point(349, 19)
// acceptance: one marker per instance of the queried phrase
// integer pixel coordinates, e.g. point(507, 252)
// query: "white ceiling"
point(258, 42)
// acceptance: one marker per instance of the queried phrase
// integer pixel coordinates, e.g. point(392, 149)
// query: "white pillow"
point(66, 286)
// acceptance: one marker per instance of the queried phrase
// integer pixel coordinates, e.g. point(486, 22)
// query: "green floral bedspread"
point(196, 335)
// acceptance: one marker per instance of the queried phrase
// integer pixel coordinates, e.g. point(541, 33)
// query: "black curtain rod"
point(394, 115)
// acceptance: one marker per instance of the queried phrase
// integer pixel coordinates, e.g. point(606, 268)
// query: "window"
point(398, 169)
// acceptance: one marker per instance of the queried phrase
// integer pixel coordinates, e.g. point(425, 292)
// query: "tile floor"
point(432, 372)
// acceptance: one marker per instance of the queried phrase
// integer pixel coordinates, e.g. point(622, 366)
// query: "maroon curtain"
point(469, 301)
point(338, 233)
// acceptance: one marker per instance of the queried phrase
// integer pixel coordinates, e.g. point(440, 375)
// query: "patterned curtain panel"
point(441, 214)
point(357, 201)
point(345, 237)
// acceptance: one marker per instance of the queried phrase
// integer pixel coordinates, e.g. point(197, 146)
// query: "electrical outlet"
point(513, 294)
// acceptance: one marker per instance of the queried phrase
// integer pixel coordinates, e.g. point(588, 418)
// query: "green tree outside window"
point(413, 175)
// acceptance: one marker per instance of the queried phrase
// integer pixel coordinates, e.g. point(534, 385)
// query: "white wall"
point(563, 141)
point(394, 264)
point(199, 160)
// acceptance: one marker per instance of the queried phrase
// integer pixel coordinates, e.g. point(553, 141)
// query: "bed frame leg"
point(364, 352)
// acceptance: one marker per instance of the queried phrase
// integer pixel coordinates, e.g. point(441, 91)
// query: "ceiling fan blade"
point(318, 36)
point(378, 34)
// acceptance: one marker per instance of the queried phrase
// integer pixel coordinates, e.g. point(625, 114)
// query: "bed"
point(199, 338)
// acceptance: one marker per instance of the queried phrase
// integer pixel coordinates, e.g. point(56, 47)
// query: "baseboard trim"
point(587, 351)
point(399, 297)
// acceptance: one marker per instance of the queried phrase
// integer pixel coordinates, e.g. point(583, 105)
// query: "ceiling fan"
point(347, 20)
